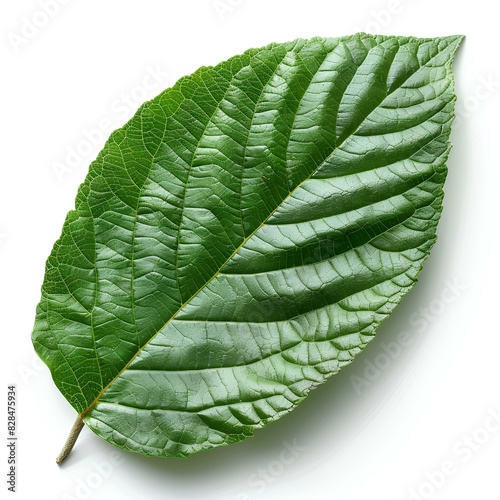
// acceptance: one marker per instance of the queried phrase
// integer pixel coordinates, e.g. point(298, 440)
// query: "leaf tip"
point(454, 42)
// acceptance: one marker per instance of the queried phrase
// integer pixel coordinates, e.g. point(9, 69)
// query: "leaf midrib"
point(85, 412)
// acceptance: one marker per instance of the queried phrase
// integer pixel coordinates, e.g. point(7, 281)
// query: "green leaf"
point(242, 237)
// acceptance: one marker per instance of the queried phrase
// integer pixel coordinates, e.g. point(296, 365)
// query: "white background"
point(377, 439)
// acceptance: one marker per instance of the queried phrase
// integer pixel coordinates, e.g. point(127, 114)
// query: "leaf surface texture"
point(240, 239)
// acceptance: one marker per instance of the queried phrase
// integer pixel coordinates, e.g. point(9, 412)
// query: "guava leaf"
point(241, 238)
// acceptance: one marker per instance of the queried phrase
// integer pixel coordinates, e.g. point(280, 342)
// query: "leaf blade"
point(267, 224)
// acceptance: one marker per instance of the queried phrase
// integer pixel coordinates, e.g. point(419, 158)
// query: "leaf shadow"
point(334, 405)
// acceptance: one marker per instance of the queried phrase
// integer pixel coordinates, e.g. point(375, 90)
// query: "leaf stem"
point(70, 442)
